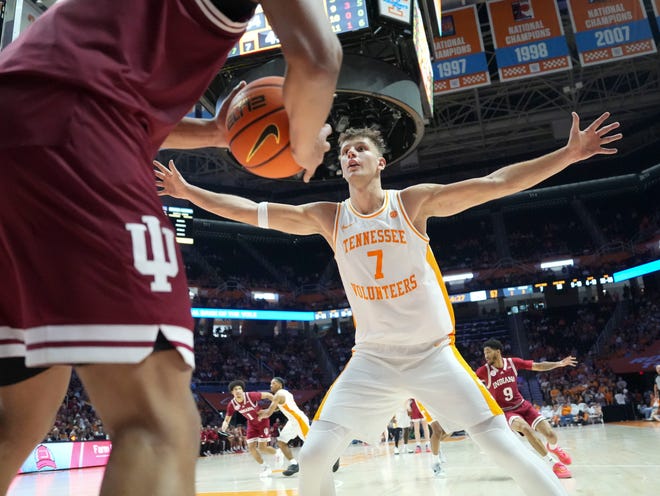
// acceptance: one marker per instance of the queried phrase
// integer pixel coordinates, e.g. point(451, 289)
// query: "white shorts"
point(371, 386)
point(294, 428)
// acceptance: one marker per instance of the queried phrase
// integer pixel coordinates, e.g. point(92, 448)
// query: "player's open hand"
point(569, 360)
point(592, 140)
point(169, 181)
point(221, 117)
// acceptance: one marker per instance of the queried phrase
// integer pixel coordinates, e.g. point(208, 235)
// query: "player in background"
point(114, 78)
point(258, 429)
point(420, 426)
point(437, 434)
point(297, 424)
point(399, 427)
point(500, 375)
point(404, 341)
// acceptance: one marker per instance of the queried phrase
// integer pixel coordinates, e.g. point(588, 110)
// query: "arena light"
point(557, 264)
point(637, 271)
point(459, 277)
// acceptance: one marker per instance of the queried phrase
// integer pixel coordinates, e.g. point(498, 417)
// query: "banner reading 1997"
point(607, 30)
point(460, 59)
point(529, 38)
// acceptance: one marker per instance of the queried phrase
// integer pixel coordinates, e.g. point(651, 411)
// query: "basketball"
point(258, 129)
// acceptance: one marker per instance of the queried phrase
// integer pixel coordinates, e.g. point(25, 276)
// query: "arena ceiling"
point(475, 131)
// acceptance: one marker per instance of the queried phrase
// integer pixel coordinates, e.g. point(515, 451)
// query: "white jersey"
point(390, 276)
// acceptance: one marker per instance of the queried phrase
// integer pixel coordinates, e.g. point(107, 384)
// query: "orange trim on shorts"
point(317, 415)
point(304, 428)
point(492, 404)
point(424, 412)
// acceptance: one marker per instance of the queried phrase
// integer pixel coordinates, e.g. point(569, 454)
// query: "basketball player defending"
point(258, 429)
point(297, 424)
point(89, 267)
point(404, 343)
point(420, 426)
point(500, 377)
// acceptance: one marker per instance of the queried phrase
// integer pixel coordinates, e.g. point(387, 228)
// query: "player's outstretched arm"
point(275, 402)
point(543, 366)
point(192, 133)
point(313, 56)
point(435, 200)
point(311, 218)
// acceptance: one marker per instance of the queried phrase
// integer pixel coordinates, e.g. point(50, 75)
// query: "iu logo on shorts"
point(159, 267)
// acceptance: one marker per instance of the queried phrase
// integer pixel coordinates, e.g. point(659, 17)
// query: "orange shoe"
point(561, 471)
point(561, 454)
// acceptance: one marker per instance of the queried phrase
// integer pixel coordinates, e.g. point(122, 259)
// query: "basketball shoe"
point(561, 454)
point(291, 469)
point(437, 470)
point(561, 471)
point(266, 471)
point(396, 450)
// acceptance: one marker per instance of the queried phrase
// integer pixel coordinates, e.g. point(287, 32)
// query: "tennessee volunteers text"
point(374, 236)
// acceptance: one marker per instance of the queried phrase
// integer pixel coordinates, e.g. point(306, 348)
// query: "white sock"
point(293, 461)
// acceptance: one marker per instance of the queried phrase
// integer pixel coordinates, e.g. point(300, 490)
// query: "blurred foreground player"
point(91, 275)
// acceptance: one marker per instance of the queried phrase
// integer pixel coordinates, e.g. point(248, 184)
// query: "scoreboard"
point(182, 222)
point(344, 16)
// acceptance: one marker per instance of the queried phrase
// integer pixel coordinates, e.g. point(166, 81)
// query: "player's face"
point(238, 393)
point(491, 355)
point(359, 156)
point(274, 386)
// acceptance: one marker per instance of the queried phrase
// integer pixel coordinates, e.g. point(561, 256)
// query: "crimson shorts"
point(258, 430)
point(90, 269)
point(527, 412)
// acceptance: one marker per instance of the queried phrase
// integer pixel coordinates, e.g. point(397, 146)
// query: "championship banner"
point(529, 38)
point(460, 59)
point(656, 9)
point(607, 30)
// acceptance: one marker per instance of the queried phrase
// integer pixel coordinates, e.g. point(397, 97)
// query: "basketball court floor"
point(608, 460)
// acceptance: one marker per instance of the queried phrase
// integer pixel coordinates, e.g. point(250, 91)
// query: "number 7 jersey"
point(390, 275)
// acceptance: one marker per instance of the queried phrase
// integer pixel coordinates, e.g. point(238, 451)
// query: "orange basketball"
point(258, 129)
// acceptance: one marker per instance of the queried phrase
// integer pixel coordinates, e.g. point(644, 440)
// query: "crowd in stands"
point(571, 396)
point(226, 270)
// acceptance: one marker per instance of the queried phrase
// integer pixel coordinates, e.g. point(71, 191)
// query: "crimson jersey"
point(503, 383)
point(249, 408)
point(154, 58)
point(88, 93)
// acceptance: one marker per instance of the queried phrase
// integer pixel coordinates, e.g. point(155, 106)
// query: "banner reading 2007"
point(460, 59)
point(607, 30)
point(529, 38)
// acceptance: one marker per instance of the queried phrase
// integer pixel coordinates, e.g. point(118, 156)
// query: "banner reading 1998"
point(607, 30)
point(529, 38)
point(460, 59)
